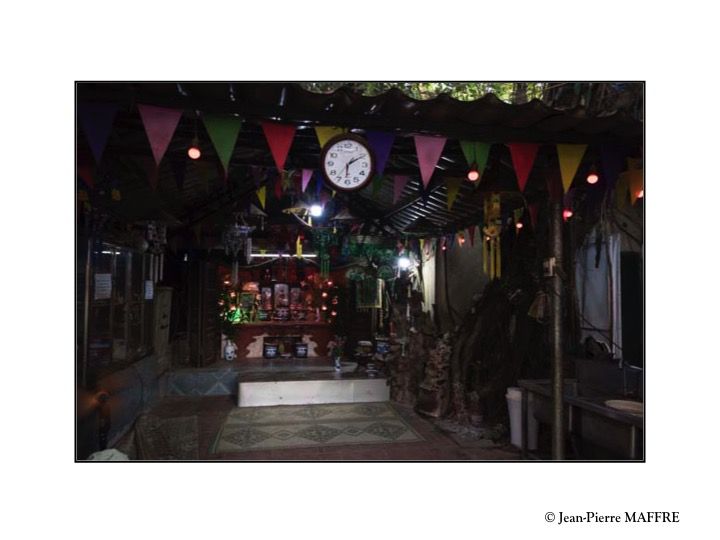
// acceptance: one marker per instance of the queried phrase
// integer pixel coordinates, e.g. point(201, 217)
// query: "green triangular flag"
point(453, 187)
point(223, 131)
point(476, 152)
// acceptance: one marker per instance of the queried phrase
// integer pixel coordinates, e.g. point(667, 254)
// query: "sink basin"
point(632, 407)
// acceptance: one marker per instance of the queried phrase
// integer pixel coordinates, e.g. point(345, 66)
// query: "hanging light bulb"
point(519, 225)
point(473, 174)
point(194, 150)
point(567, 214)
point(404, 262)
point(641, 194)
point(316, 210)
point(592, 177)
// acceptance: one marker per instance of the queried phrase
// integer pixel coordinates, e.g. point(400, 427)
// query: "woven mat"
point(166, 438)
point(253, 428)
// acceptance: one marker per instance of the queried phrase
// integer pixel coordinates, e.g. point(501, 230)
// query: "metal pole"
point(86, 311)
point(556, 286)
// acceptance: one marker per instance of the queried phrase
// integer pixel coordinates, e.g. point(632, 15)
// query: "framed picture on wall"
point(281, 294)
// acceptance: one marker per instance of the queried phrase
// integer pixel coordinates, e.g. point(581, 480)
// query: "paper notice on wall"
point(103, 286)
point(149, 289)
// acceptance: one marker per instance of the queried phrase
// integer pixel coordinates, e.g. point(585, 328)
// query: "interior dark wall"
point(465, 278)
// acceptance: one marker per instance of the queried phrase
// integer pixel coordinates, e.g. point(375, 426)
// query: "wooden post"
point(556, 288)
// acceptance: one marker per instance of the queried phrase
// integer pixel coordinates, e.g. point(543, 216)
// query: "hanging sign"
point(149, 289)
point(103, 286)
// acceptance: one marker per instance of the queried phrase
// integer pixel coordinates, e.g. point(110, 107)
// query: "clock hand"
point(355, 159)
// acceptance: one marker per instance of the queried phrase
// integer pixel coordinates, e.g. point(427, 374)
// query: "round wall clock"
point(347, 162)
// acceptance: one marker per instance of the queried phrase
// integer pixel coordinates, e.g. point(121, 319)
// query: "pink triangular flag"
point(523, 156)
point(428, 149)
point(400, 182)
point(160, 124)
point(306, 177)
point(279, 138)
point(471, 234)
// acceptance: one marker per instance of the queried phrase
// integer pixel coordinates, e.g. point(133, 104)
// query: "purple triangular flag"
point(96, 120)
point(160, 124)
point(306, 176)
point(381, 142)
point(401, 181)
point(429, 149)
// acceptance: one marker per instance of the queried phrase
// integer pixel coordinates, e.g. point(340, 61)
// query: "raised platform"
point(224, 378)
point(320, 388)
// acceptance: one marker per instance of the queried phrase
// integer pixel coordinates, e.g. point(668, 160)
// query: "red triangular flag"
point(428, 149)
point(523, 156)
point(160, 124)
point(471, 234)
point(279, 138)
point(399, 186)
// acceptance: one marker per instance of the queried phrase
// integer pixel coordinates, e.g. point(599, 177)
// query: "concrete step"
point(305, 392)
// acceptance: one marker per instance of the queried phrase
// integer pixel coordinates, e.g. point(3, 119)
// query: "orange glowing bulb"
point(592, 178)
point(518, 225)
point(473, 175)
point(641, 194)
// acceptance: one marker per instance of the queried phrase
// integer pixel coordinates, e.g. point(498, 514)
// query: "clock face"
point(347, 162)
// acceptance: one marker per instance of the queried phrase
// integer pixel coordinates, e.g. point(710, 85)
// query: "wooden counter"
point(249, 337)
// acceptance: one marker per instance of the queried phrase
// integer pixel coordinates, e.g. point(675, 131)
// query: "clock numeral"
point(331, 163)
point(338, 179)
point(333, 155)
point(362, 173)
point(347, 182)
point(365, 163)
point(333, 173)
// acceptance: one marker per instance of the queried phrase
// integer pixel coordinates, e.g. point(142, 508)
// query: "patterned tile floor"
point(213, 410)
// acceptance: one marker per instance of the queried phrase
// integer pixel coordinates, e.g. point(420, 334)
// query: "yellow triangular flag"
point(453, 187)
point(422, 245)
point(261, 193)
point(570, 156)
point(325, 133)
point(635, 179)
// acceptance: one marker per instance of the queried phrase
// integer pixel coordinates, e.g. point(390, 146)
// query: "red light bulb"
point(641, 194)
point(567, 214)
point(473, 174)
point(194, 150)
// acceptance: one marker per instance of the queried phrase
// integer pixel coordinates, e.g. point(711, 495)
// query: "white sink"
point(624, 405)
